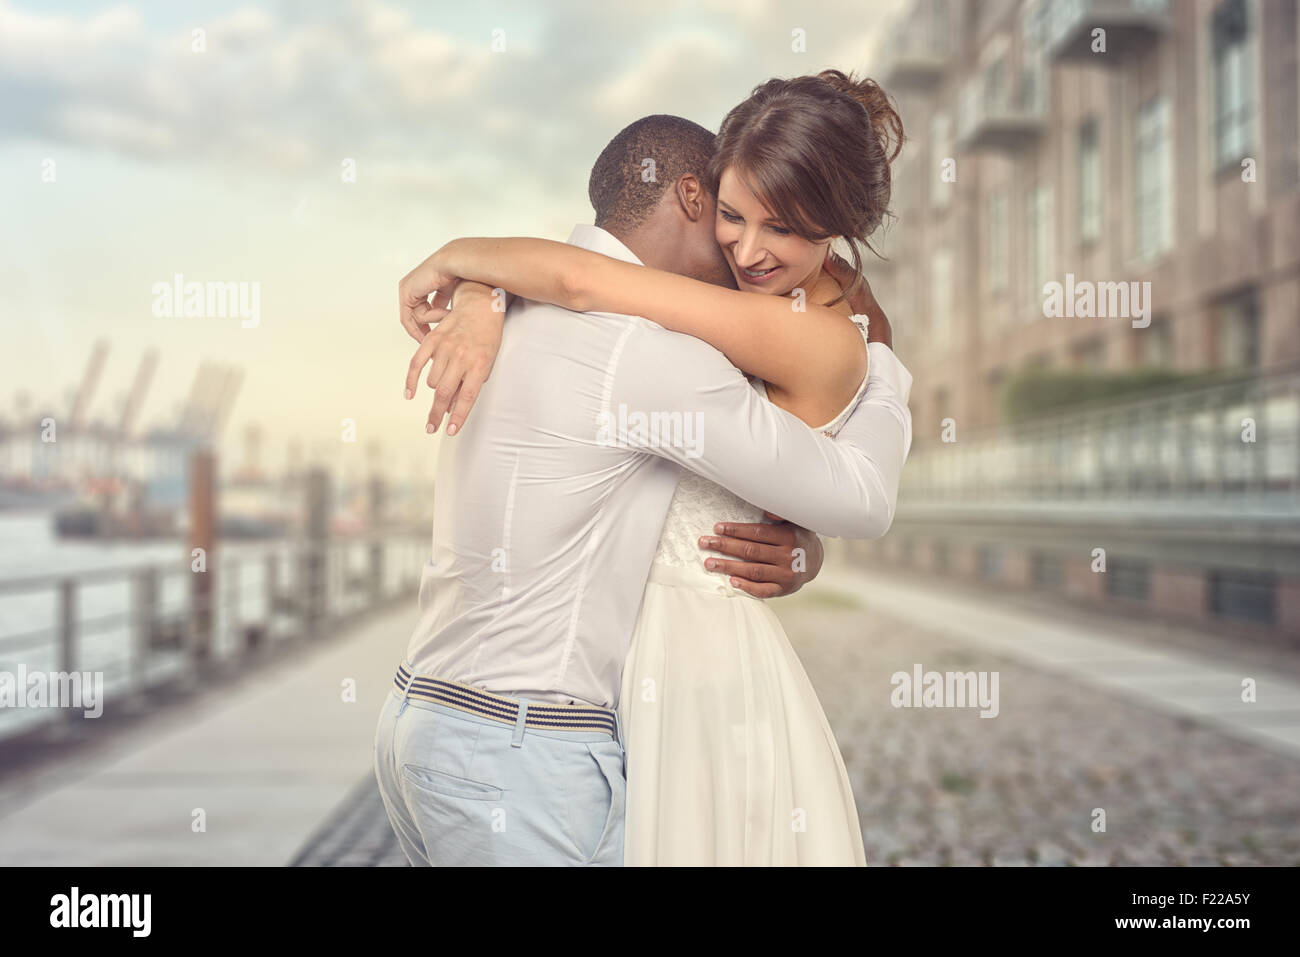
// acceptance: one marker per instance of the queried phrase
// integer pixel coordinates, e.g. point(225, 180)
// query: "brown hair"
point(816, 150)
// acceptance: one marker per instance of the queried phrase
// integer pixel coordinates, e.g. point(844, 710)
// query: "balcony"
point(916, 57)
point(1131, 26)
point(992, 118)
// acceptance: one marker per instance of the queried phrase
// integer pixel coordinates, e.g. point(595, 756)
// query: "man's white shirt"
point(548, 505)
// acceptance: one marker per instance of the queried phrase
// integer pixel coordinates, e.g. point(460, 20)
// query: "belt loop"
point(618, 730)
point(410, 678)
point(517, 741)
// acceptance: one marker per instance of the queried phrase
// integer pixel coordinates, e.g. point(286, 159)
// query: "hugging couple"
point(596, 677)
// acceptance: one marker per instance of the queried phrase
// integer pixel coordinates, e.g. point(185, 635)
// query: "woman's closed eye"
point(732, 218)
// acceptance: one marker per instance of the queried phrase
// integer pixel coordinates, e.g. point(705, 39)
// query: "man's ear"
point(691, 196)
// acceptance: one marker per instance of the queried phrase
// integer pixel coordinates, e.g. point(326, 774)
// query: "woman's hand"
point(430, 278)
point(861, 299)
point(462, 347)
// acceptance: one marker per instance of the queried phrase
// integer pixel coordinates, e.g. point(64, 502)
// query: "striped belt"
point(543, 717)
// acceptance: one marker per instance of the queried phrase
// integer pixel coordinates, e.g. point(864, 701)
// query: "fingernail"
point(710, 563)
point(408, 393)
point(429, 428)
point(720, 529)
point(451, 429)
point(735, 582)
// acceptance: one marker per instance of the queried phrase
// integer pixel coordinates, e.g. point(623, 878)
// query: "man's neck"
point(646, 244)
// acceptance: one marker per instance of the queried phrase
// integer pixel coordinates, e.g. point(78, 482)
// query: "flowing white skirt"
point(730, 758)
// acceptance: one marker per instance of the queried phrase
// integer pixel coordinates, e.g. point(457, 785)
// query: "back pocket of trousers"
point(449, 785)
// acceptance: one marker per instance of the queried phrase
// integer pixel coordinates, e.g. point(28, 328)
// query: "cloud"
point(263, 91)
point(296, 88)
point(103, 126)
point(673, 70)
point(53, 45)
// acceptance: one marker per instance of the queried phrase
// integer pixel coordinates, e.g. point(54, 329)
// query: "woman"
point(731, 760)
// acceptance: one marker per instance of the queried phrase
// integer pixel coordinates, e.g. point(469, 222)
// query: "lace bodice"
point(698, 504)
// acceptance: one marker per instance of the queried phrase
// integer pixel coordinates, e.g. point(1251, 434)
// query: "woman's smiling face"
point(764, 254)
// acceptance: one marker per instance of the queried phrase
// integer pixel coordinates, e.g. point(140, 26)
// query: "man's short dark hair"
point(622, 190)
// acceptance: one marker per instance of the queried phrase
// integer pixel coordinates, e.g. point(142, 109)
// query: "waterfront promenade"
point(1143, 722)
point(267, 758)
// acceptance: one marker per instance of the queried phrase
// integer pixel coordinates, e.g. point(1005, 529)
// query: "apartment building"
point(1149, 143)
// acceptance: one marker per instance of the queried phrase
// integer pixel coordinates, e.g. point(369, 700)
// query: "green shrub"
point(1035, 392)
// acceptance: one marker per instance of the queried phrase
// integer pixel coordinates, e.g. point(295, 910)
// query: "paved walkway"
point(355, 834)
point(267, 761)
point(1104, 652)
point(1097, 717)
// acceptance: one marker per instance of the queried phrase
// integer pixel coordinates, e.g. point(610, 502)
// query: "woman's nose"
point(748, 251)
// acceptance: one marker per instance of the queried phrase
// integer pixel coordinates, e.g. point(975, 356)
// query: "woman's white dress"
point(730, 758)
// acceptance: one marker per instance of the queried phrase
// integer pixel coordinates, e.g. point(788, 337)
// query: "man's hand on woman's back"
point(861, 299)
point(768, 561)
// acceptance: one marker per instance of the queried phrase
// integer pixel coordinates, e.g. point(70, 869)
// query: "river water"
point(29, 615)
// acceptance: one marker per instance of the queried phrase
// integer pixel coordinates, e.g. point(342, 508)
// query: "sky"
point(140, 141)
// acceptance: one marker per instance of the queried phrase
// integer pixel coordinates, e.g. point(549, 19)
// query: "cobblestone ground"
point(944, 786)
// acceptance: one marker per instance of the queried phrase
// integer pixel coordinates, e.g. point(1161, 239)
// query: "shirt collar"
point(602, 241)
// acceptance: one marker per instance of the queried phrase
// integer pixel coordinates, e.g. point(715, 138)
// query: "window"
point(1089, 354)
point(941, 142)
point(1032, 93)
point(1089, 182)
point(1232, 83)
point(1244, 595)
point(1237, 331)
point(994, 383)
point(904, 184)
point(983, 93)
point(1046, 570)
point(1154, 179)
point(1156, 344)
point(936, 27)
point(988, 562)
point(941, 295)
point(939, 556)
point(1038, 215)
point(941, 403)
point(995, 97)
point(996, 246)
point(1126, 578)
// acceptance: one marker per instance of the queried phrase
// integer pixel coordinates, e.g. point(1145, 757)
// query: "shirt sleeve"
point(676, 396)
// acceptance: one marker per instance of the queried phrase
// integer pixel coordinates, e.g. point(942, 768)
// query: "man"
point(500, 742)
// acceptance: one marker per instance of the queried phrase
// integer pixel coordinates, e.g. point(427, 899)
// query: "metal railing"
point(1237, 442)
point(145, 625)
point(1014, 100)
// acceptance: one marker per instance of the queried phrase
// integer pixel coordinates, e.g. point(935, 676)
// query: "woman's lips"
point(756, 280)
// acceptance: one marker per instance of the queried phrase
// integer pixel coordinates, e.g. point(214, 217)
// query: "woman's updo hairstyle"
point(817, 151)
